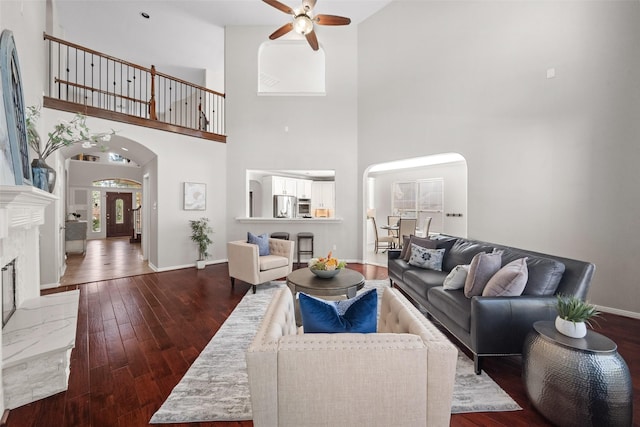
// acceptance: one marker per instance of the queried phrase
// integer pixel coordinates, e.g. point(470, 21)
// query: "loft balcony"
point(85, 81)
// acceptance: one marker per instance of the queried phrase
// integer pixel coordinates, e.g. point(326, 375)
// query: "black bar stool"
point(308, 238)
point(280, 235)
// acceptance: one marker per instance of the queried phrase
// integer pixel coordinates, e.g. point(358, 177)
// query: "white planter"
point(571, 329)
point(200, 264)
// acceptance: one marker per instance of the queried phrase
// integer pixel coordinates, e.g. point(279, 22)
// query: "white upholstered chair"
point(403, 375)
point(407, 227)
point(247, 265)
point(426, 225)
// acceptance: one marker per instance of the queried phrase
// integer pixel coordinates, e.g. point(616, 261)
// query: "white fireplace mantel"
point(22, 206)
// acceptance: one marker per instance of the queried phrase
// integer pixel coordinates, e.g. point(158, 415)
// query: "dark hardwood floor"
point(137, 336)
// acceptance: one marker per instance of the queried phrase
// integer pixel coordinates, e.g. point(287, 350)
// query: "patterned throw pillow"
point(426, 258)
point(408, 241)
point(358, 314)
point(262, 241)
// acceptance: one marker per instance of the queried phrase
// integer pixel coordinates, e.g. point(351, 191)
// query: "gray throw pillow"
point(509, 281)
point(483, 267)
point(430, 259)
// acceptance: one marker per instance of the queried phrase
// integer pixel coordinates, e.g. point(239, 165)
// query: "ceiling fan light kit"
point(304, 20)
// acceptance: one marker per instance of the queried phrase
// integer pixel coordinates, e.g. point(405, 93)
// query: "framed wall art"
point(14, 110)
point(195, 196)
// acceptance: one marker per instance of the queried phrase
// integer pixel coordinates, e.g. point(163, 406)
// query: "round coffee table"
point(347, 282)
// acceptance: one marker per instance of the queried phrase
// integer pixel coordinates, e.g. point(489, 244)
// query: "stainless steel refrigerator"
point(285, 206)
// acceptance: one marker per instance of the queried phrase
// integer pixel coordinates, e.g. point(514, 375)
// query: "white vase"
point(571, 329)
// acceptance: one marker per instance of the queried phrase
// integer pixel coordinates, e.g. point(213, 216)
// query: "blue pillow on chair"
point(262, 241)
point(358, 314)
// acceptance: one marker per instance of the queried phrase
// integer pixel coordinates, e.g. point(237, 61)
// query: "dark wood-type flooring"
point(137, 336)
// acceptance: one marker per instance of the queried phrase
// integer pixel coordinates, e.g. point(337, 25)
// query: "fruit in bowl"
point(326, 267)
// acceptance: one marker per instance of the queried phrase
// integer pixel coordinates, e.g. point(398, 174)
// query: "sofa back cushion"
point(544, 273)
point(462, 252)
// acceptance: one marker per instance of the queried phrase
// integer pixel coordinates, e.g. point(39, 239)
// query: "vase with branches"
point(64, 134)
point(200, 230)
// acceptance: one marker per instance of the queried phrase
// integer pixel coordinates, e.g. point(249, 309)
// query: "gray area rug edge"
point(215, 387)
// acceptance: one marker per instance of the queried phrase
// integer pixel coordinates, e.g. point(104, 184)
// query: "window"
point(289, 67)
point(95, 211)
point(419, 199)
point(119, 211)
point(117, 183)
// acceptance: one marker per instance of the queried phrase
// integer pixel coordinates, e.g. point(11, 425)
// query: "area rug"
point(215, 388)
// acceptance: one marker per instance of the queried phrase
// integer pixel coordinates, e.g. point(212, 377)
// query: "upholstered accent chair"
point(407, 227)
point(403, 375)
point(246, 264)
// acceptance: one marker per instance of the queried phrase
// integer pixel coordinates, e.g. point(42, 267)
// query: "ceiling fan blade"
point(312, 39)
point(308, 5)
point(331, 20)
point(281, 31)
point(282, 7)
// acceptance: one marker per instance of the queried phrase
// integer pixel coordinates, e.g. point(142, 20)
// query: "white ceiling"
point(181, 32)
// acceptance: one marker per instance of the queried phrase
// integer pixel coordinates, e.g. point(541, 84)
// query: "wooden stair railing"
point(90, 82)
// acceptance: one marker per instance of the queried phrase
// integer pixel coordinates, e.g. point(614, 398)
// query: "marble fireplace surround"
point(36, 343)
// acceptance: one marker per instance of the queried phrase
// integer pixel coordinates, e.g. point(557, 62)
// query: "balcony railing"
point(90, 82)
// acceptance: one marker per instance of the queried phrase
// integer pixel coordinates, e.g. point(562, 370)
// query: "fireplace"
point(8, 291)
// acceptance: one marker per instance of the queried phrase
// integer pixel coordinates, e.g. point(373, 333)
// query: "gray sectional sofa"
point(491, 326)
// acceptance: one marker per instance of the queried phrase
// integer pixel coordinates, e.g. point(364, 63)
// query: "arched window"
point(290, 67)
point(117, 183)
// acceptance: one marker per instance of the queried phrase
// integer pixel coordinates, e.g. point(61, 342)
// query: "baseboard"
point(50, 286)
point(179, 267)
point(618, 312)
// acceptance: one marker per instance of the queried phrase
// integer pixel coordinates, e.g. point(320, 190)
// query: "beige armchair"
point(402, 375)
point(245, 263)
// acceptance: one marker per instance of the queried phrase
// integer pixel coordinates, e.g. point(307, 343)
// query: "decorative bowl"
point(326, 274)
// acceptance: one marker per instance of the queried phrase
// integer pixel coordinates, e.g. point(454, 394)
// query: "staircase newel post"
point(152, 101)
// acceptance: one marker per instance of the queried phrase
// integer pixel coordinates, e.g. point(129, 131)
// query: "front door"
point(119, 222)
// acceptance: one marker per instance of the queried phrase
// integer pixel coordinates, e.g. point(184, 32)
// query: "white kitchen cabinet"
point(273, 185)
point(323, 198)
point(303, 190)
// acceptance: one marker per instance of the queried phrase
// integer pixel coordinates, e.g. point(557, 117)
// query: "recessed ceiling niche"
point(289, 67)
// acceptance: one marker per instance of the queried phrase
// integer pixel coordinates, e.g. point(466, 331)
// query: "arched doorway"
point(431, 186)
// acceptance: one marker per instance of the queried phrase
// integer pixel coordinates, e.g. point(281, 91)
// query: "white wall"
point(552, 163)
point(322, 133)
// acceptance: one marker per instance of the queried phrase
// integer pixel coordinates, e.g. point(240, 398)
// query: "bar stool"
point(280, 235)
point(307, 237)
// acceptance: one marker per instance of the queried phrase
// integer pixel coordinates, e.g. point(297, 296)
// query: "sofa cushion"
point(269, 262)
point(462, 252)
point(358, 314)
point(483, 267)
point(456, 278)
point(397, 267)
point(509, 281)
point(544, 273)
point(262, 241)
point(419, 281)
point(453, 303)
point(426, 258)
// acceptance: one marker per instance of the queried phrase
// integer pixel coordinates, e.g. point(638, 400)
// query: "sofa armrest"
point(262, 357)
point(243, 261)
point(393, 253)
point(500, 324)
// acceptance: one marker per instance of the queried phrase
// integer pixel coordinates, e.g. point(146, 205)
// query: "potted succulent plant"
point(200, 231)
point(573, 316)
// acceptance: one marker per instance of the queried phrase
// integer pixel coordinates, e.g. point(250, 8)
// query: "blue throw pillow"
point(262, 241)
point(358, 314)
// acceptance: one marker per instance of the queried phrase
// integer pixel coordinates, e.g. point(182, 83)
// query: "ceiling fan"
point(303, 21)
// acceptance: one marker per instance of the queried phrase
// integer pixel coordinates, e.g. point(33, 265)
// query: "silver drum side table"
point(576, 381)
